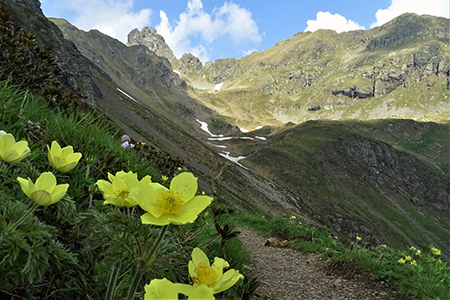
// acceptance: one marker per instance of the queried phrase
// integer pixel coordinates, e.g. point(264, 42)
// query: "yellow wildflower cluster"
point(45, 191)
point(177, 205)
point(435, 251)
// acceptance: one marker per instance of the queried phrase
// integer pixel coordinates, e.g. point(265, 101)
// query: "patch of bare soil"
point(286, 274)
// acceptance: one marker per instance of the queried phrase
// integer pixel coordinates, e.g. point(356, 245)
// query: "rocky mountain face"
point(398, 70)
point(77, 71)
point(149, 38)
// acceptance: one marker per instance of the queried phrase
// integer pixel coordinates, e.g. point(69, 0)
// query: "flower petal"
point(66, 151)
point(55, 148)
point(193, 208)
point(227, 280)
point(144, 195)
point(74, 157)
point(8, 140)
point(47, 181)
point(185, 184)
point(162, 289)
point(10, 155)
point(201, 292)
point(41, 197)
point(199, 256)
point(184, 289)
point(148, 218)
point(59, 192)
point(26, 185)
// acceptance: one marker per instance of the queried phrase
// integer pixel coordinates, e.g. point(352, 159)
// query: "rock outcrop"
point(190, 65)
point(155, 42)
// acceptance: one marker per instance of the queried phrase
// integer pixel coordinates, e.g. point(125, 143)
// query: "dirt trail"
point(286, 274)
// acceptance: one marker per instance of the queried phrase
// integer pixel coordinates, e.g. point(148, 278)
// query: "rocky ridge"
point(335, 75)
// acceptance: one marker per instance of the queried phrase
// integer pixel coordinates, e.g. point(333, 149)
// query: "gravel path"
point(286, 274)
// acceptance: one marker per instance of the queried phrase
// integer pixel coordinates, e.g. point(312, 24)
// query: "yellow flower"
point(46, 191)
point(62, 159)
point(211, 276)
point(412, 249)
point(435, 251)
point(179, 168)
point(401, 260)
point(293, 217)
point(177, 205)
point(10, 151)
point(358, 238)
point(418, 252)
point(163, 289)
point(116, 192)
point(164, 178)
point(408, 258)
point(414, 263)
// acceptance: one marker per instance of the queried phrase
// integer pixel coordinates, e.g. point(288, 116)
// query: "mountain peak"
point(152, 40)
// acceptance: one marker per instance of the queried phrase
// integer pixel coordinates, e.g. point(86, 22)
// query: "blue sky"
point(214, 29)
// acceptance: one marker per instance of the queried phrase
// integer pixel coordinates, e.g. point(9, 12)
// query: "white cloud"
point(326, 20)
point(248, 52)
point(229, 19)
point(439, 8)
point(112, 17)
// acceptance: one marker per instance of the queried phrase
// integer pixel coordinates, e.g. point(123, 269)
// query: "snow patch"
point(246, 138)
point(233, 159)
point(220, 138)
point(178, 72)
point(126, 95)
point(261, 138)
point(243, 130)
point(220, 146)
point(204, 126)
point(218, 86)
point(259, 127)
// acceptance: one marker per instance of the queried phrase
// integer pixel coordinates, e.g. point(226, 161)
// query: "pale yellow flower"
point(212, 276)
point(45, 191)
point(401, 260)
point(293, 217)
point(10, 150)
point(408, 258)
point(358, 238)
point(116, 192)
point(62, 159)
point(435, 251)
point(164, 178)
point(177, 205)
point(414, 263)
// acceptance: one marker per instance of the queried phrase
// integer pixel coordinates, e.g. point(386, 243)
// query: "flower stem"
point(138, 275)
point(29, 212)
point(158, 241)
point(113, 280)
point(134, 284)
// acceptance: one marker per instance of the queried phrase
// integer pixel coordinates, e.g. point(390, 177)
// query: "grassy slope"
point(309, 161)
